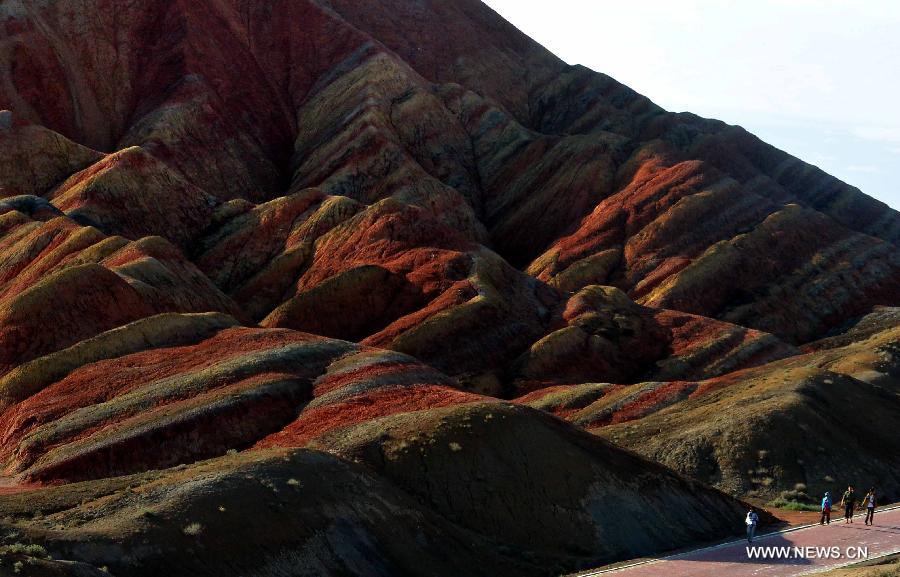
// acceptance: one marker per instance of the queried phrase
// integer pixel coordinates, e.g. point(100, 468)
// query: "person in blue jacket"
point(826, 509)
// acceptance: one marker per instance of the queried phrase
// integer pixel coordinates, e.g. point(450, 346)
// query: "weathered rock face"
point(559, 170)
point(224, 392)
point(782, 268)
point(61, 282)
point(34, 159)
point(357, 226)
point(607, 337)
point(132, 194)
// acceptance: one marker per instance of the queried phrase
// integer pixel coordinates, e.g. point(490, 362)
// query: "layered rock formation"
point(809, 419)
point(333, 239)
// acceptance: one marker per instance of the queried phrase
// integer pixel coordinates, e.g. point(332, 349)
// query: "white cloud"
point(867, 168)
point(878, 133)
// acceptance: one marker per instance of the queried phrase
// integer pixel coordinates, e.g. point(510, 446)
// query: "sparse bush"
point(17, 567)
point(797, 494)
point(454, 446)
point(23, 549)
point(792, 505)
point(11, 535)
point(193, 529)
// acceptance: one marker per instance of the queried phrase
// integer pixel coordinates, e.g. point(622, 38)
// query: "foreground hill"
point(292, 259)
point(474, 477)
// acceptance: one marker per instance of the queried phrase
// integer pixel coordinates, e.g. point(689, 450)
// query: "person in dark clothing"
point(826, 509)
point(848, 501)
point(869, 502)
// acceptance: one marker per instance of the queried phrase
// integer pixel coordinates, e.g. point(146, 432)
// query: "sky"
point(819, 79)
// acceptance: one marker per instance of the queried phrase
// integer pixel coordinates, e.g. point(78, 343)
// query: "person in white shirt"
point(751, 520)
point(869, 502)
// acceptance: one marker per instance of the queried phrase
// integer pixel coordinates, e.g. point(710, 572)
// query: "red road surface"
point(731, 559)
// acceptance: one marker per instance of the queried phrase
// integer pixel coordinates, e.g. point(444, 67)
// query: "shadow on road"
point(770, 551)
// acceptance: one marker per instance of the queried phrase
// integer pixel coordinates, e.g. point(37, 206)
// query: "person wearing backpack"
point(751, 521)
point(869, 502)
point(848, 501)
point(826, 509)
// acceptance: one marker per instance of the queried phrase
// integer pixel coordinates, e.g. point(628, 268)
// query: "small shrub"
point(454, 446)
point(193, 529)
point(798, 494)
point(793, 505)
point(17, 567)
point(23, 549)
point(12, 535)
point(36, 551)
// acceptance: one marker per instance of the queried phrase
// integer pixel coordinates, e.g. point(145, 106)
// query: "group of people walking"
point(848, 503)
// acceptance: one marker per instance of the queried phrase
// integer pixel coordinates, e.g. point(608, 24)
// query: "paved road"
point(731, 559)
